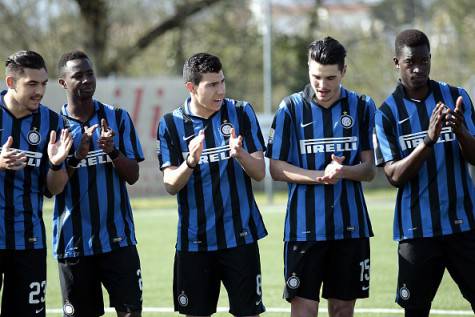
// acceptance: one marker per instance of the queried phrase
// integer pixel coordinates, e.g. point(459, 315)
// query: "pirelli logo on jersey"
point(410, 141)
point(329, 145)
point(33, 158)
point(215, 154)
point(94, 158)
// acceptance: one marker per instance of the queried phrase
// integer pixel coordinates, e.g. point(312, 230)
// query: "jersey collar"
point(400, 92)
point(64, 112)
point(309, 96)
point(186, 111)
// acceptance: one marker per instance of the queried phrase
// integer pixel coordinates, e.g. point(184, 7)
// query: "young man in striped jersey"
point(320, 143)
point(209, 149)
point(94, 239)
point(425, 141)
point(31, 165)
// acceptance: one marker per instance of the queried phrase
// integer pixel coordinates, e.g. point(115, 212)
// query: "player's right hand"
point(83, 147)
point(11, 159)
point(455, 118)
point(195, 148)
point(436, 121)
point(333, 171)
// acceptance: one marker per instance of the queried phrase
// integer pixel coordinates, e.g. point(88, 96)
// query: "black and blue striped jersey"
point(305, 134)
point(216, 208)
point(93, 214)
point(440, 199)
point(21, 192)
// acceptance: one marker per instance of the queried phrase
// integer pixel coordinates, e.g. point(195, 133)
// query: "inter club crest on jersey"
point(346, 121)
point(33, 137)
point(226, 128)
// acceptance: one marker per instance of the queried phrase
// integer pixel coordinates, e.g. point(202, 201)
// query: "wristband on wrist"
point(114, 154)
point(73, 161)
point(55, 167)
point(428, 141)
point(188, 164)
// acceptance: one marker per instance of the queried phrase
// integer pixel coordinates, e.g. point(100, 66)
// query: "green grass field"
point(156, 219)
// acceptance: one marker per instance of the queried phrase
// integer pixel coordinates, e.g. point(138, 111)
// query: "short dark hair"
point(199, 64)
point(410, 38)
point(69, 56)
point(17, 62)
point(327, 52)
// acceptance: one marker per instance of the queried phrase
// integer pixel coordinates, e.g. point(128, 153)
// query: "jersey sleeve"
point(387, 147)
point(468, 112)
point(129, 140)
point(168, 152)
point(278, 144)
point(251, 131)
point(367, 125)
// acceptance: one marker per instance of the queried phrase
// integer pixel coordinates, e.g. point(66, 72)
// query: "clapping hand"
point(11, 159)
point(333, 171)
point(106, 140)
point(58, 149)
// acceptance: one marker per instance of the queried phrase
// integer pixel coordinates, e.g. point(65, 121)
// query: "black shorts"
point(24, 282)
point(422, 263)
point(198, 275)
point(342, 266)
point(81, 278)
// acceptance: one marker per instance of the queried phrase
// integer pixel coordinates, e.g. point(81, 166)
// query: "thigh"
point(122, 277)
point(304, 268)
point(196, 283)
point(460, 253)
point(240, 270)
point(24, 283)
point(348, 272)
point(420, 270)
point(81, 287)
point(3, 262)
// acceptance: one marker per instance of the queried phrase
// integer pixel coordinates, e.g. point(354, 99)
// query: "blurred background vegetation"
point(132, 38)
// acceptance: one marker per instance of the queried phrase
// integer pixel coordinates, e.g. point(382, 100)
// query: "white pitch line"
point(287, 310)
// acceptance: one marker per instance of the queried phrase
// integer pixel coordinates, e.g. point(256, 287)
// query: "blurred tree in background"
point(140, 38)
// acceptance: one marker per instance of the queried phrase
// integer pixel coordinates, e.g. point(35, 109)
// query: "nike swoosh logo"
point(403, 120)
point(364, 288)
point(258, 302)
point(188, 137)
point(39, 310)
point(303, 125)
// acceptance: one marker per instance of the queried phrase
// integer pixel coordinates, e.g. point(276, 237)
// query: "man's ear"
point(190, 87)
point(396, 62)
point(62, 83)
point(10, 81)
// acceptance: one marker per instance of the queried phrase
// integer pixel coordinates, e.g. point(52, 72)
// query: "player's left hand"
point(235, 144)
point(58, 149)
point(455, 119)
point(333, 172)
point(106, 140)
